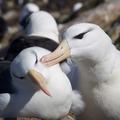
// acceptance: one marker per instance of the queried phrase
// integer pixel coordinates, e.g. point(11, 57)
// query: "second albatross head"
point(84, 40)
point(25, 66)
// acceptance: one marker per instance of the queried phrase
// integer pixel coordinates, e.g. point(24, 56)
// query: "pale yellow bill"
point(39, 79)
point(61, 53)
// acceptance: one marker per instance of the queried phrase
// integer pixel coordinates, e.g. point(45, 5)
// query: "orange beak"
point(39, 79)
point(61, 53)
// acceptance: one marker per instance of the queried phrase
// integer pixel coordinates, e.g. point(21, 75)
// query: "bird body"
point(99, 63)
point(99, 85)
point(101, 58)
point(53, 102)
point(28, 100)
point(107, 92)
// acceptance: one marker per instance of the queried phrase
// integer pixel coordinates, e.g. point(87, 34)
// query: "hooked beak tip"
point(60, 54)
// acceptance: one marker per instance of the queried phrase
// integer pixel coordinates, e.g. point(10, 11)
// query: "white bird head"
point(27, 66)
point(44, 25)
point(85, 40)
point(27, 10)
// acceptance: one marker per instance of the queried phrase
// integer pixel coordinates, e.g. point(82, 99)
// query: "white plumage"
point(103, 61)
point(26, 11)
point(42, 24)
point(52, 97)
point(99, 63)
point(45, 26)
point(29, 100)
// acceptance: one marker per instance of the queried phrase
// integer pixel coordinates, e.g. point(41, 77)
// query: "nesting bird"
point(43, 33)
point(44, 29)
point(37, 88)
point(99, 64)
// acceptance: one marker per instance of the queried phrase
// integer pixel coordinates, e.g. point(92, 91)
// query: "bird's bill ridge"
point(61, 53)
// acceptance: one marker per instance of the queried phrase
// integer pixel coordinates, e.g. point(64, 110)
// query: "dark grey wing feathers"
point(5, 78)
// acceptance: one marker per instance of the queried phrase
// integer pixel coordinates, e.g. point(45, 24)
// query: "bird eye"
point(36, 60)
point(81, 35)
point(21, 77)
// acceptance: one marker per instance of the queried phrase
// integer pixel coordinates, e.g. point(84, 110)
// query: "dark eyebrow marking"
point(80, 36)
point(22, 77)
point(36, 61)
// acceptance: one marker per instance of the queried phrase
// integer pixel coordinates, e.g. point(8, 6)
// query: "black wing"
point(5, 78)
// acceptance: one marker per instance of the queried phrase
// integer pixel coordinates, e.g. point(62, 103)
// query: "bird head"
point(26, 11)
point(44, 25)
point(85, 40)
point(26, 66)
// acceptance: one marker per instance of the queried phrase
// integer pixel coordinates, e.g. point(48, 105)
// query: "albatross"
point(44, 33)
point(28, 96)
point(37, 89)
point(99, 63)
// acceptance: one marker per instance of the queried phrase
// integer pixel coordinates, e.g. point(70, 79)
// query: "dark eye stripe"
point(22, 77)
point(36, 61)
point(80, 36)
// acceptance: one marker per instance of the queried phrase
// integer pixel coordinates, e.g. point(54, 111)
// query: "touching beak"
point(61, 53)
point(39, 79)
